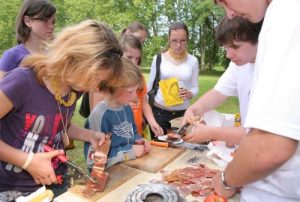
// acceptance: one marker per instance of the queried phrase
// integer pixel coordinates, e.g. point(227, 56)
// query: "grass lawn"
point(207, 81)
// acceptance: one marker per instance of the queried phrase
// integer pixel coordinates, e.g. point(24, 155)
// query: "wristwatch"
point(224, 183)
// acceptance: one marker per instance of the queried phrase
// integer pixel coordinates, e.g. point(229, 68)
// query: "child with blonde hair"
point(114, 115)
point(38, 100)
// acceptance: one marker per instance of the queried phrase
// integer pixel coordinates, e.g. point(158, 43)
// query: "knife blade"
point(182, 129)
point(191, 146)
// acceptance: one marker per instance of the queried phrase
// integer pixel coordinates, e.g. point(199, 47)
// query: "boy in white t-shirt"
point(267, 162)
point(239, 38)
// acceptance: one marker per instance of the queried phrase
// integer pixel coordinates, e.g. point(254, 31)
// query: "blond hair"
point(131, 76)
point(79, 55)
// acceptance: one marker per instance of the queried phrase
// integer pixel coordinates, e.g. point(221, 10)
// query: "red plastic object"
point(59, 179)
point(61, 157)
point(214, 198)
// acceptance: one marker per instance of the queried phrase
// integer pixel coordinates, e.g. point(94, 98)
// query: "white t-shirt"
point(187, 74)
point(275, 99)
point(236, 81)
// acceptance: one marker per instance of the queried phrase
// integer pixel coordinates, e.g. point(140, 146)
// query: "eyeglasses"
point(181, 42)
point(45, 20)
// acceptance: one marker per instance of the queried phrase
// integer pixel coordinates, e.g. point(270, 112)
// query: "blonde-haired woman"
point(38, 100)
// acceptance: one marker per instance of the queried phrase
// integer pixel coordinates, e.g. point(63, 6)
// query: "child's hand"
point(40, 168)
point(156, 129)
point(139, 150)
point(146, 144)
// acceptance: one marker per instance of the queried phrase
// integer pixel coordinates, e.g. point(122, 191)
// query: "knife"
point(192, 146)
point(182, 129)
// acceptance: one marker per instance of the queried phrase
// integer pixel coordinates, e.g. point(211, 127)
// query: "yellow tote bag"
point(170, 91)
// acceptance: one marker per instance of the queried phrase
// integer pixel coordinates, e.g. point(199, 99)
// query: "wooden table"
point(119, 193)
point(126, 177)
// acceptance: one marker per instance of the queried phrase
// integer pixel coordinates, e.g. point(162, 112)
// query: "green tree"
point(8, 14)
point(201, 18)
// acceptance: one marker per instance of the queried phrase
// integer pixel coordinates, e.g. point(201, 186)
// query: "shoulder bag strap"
point(156, 80)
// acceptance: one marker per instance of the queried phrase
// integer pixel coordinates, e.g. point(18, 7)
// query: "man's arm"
point(264, 151)
point(206, 102)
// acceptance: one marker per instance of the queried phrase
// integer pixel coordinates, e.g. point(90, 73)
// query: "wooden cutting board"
point(156, 160)
point(118, 174)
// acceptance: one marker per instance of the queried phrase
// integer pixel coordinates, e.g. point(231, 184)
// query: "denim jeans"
point(10, 196)
point(163, 118)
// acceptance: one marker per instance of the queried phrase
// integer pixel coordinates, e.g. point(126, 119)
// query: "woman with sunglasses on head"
point(176, 63)
point(34, 26)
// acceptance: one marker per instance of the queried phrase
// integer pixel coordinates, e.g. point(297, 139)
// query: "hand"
point(185, 94)
point(218, 188)
point(188, 115)
point(97, 139)
point(139, 150)
point(156, 129)
point(200, 133)
point(40, 168)
point(147, 146)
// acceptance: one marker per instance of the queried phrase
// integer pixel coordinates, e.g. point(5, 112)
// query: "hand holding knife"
point(182, 129)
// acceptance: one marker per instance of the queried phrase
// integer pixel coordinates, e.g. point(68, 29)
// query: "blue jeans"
point(163, 118)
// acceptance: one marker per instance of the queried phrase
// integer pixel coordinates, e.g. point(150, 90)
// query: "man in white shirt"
point(267, 161)
point(239, 37)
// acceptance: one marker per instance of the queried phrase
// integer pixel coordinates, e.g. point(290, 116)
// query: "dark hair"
point(44, 9)
point(134, 27)
point(176, 26)
point(130, 41)
point(237, 29)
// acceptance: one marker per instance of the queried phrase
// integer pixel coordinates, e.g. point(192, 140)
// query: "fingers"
point(185, 94)
point(54, 153)
point(46, 180)
point(147, 146)
point(188, 138)
point(140, 141)
point(158, 131)
point(100, 137)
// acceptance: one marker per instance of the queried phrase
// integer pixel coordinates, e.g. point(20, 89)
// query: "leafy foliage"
point(200, 16)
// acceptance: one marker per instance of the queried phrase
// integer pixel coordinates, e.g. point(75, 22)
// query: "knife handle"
point(160, 144)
